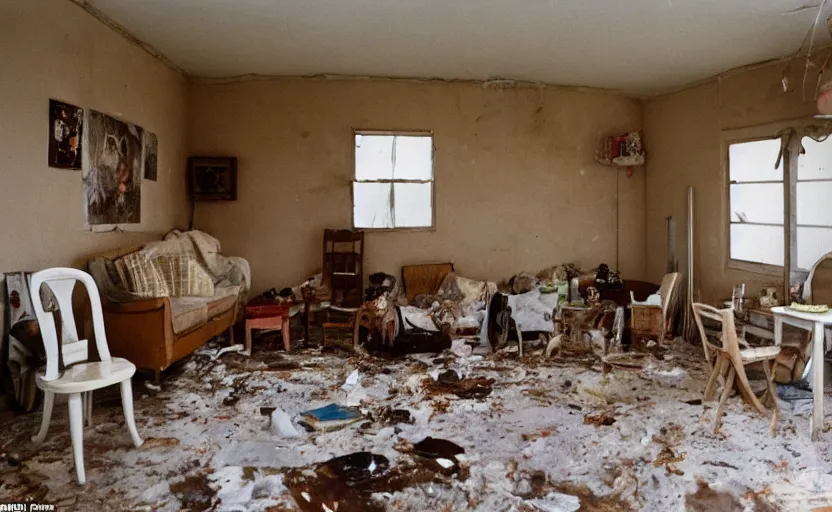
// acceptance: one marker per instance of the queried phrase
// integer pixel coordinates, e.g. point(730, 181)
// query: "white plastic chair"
point(68, 370)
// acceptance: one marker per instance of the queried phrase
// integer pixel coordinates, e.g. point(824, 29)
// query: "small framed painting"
point(66, 126)
point(212, 178)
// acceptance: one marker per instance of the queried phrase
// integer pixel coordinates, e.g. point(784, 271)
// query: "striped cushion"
point(184, 276)
point(140, 276)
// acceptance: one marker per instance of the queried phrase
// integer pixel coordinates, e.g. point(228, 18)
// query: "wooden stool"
point(267, 315)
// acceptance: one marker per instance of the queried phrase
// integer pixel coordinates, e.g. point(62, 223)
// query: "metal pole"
point(689, 328)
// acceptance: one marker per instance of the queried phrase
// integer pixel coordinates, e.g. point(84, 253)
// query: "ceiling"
point(635, 46)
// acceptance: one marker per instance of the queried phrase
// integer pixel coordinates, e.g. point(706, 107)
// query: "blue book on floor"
point(329, 417)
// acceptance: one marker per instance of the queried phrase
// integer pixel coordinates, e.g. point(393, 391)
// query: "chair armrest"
point(136, 306)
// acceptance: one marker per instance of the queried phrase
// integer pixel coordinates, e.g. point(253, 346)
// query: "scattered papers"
point(282, 424)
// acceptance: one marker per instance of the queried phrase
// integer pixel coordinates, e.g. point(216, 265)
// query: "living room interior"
point(430, 256)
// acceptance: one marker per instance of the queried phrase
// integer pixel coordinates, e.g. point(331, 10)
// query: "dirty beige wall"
point(683, 142)
point(54, 49)
point(516, 185)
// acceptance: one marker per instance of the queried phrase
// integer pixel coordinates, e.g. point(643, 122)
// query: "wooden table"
point(267, 315)
point(814, 322)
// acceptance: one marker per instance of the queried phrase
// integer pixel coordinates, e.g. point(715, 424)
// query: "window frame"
point(432, 181)
point(789, 270)
point(766, 132)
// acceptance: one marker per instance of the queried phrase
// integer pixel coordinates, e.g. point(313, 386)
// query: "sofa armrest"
point(140, 331)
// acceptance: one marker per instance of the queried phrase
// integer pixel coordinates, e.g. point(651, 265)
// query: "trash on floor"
point(281, 424)
point(329, 417)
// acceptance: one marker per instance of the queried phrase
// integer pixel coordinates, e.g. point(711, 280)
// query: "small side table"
point(267, 315)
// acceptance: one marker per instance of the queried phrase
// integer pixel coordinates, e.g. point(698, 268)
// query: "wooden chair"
point(343, 274)
point(68, 369)
point(728, 355)
point(656, 320)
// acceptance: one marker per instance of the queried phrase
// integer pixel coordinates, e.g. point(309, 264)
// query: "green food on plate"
point(809, 308)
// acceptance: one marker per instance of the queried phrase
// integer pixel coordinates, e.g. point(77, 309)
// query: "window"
point(393, 187)
point(814, 209)
point(756, 199)
point(762, 181)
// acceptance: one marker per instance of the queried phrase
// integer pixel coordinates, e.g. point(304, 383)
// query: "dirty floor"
point(536, 434)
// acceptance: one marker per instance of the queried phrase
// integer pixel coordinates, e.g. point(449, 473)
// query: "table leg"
point(285, 330)
point(817, 379)
point(778, 330)
point(248, 337)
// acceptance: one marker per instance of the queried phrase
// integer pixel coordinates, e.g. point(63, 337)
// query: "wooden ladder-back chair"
point(728, 355)
point(343, 274)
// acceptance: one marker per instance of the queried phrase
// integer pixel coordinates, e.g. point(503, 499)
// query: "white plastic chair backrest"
point(61, 281)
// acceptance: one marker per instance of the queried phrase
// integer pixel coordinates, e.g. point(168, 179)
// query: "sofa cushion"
point(188, 312)
point(140, 276)
point(184, 276)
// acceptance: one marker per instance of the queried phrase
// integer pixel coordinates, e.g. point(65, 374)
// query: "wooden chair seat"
point(757, 354)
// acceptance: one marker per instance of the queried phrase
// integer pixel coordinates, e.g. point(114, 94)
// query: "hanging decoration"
point(621, 151)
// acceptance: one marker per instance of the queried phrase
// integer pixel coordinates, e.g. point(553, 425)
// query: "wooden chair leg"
point(772, 393)
point(355, 331)
point(710, 388)
point(76, 432)
point(726, 392)
point(745, 389)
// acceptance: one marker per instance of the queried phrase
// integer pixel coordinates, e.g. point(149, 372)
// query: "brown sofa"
point(153, 333)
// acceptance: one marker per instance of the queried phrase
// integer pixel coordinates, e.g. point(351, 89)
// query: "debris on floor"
point(435, 431)
point(601, 419)
point(469, 387)
point(330, 417)
point(281, 424)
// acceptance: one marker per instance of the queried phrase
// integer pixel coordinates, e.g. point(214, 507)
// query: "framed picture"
point(66, 127)
point(212, 178)
point(113, 181)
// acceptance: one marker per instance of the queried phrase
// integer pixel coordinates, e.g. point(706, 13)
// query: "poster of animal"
point(151, 155)
point(66, 125)
point(113, 182)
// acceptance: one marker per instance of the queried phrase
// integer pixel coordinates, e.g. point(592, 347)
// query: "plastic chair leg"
point(127, 404)
point(76, 431)
point(48, 402)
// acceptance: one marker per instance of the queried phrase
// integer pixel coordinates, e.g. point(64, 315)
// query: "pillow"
point(184, 276)
point(139, 276)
